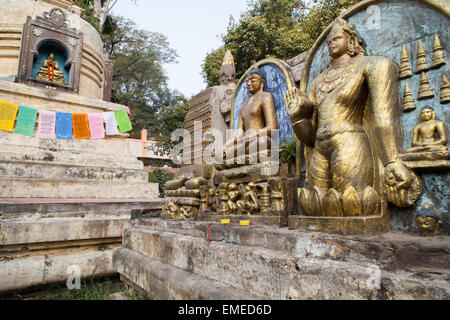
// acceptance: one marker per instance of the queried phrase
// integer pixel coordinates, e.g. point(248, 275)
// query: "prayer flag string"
point(61, 125)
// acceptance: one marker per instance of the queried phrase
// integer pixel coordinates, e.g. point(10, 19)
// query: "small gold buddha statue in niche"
point(429, 134)
point(257, 119)
point(428, 222)
point(50, 71)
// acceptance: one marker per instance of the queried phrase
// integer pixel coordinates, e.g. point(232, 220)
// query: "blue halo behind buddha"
point(275, 82)
point(61, 57)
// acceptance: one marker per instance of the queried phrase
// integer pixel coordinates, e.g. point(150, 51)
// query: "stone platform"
point(41, 238)
point(344, 225)
point(38, 168)
point(169, 259)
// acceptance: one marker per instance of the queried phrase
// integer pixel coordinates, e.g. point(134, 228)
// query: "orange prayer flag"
point(80, 123)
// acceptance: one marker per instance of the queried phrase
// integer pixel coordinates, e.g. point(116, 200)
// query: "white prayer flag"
point(111, 123)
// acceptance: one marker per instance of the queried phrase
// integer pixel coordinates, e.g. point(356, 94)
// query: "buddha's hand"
point(403, 187)
point(298, 106)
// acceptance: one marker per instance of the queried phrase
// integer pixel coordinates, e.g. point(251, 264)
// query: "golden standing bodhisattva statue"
point(50, 71)
point(349, 118)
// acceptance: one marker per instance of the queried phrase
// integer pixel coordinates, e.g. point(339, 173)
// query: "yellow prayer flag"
point(8, 113)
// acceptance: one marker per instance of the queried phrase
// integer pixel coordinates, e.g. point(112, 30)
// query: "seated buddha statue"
point(257, 120)
point(50, 71)
point(429, 134)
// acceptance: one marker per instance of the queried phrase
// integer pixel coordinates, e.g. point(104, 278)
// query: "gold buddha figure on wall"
point(429, 134)
point(50, 71)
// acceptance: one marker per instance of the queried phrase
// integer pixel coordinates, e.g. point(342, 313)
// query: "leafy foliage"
point(160, 177)
point(89, 13)
point(139, 78)
point(272, 28)
point(170, 118)
point(288, 151)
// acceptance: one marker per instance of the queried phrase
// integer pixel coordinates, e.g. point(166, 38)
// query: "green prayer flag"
point(26, 121)
point(123, 121)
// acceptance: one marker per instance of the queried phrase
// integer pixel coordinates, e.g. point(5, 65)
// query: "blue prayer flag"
point(64, 126)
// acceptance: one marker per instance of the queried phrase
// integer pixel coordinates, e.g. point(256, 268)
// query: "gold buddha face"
point(427, 225)
point(51, 56)
point(426, 115)
point(254, 83)
point(337, 44)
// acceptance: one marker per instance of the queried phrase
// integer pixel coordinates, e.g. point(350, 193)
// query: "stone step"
point(104, 152)
point(13, 232)
point(32, 208)
point(53, 171)
point(43, 188)
point(310, 271)
point(391, 250)
point(54, 267)
point(69, 158)
point(166, 282)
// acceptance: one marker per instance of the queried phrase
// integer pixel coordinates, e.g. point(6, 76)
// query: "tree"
point(170, 118)
point(96, 12)
point(139, 78)
point(272, 28)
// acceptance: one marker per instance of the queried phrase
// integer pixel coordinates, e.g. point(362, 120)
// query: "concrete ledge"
point(49, 170)
point(32, 209)
point(110, 152)
point(151, 202)
point(59, 229)
point(25, 272)
point(343, 225)
point(275, 263)
point(166, 282)
point(391, 250)
point(41, 98)
point(40, 188)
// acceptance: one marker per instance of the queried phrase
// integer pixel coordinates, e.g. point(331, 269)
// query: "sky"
point(193, 29)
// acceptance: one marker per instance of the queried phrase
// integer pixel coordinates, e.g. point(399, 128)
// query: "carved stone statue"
point(428, 221)
point(222, 191)
point(257, 118)
point(50, 71)
point(213, 198)
point(233, 196)
point(250, 202)
point(227, 85)
point(204, 198)
point(348, 121)
point(429, 134)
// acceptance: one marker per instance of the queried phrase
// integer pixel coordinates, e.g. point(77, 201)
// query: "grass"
point(90, 290)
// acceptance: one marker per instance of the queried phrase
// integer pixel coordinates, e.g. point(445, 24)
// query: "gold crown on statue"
point(228, 60)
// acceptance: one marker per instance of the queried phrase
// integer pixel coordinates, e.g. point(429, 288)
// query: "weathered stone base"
point(51, 267)
point(158, 280)
point(175, 260)
point(41, 238)
point(345, 225)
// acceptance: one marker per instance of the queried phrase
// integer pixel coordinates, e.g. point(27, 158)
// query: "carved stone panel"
point(49, 31)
